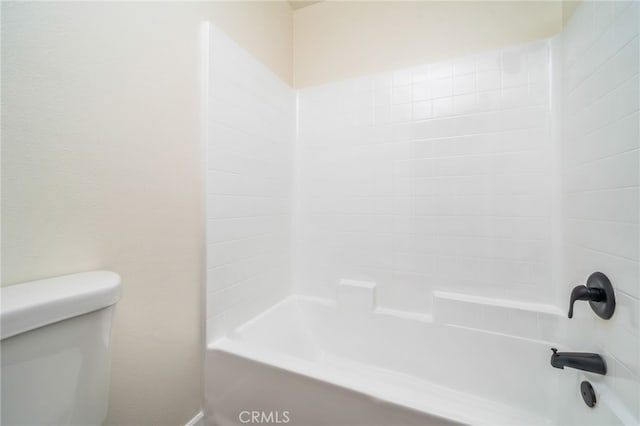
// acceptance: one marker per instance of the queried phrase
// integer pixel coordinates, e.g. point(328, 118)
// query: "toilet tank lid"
point(35, 304)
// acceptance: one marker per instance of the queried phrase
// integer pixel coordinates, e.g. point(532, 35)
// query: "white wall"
point(102, 168)
point(334, 40)
point(429, 178)
point(601, 165)
point(263, 28)
point(249, 175)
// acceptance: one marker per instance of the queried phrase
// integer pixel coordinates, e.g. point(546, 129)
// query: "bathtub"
point(309, 361)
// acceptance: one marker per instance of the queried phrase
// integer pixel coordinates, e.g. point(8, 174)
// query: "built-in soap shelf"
point(522, 319)
point(355, 296)
point(497, 315)
point(358, 297)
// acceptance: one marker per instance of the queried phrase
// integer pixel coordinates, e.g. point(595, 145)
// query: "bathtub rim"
point(482, 410)
point(434, 407)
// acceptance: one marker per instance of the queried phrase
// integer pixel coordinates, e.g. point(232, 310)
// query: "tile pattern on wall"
point(601, 158)
point(437, 183)
point(434, 177)
point(249, 174)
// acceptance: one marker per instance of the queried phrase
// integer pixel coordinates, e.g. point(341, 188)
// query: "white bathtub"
point(307, 362)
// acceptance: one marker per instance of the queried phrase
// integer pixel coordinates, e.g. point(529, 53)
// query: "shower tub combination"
point(452, 205)
point(311, 361)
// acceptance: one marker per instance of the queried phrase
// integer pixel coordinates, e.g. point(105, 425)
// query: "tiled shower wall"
point(430, 178)
point(600, 159)
point(249, 173)
point(437, 177)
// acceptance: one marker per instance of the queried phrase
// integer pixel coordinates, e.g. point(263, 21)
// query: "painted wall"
point(263, 28)
point(601, 183)
point(568, 9)
point(338, 40)
point(251, 119)
point(101, 168)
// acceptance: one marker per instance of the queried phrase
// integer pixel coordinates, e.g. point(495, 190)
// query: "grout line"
point(601, 65)
point(586, 219)
point(608, 157)
point(615, 188)
point(603, 252)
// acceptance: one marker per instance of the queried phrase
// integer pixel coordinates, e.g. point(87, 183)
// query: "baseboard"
point(197, 420)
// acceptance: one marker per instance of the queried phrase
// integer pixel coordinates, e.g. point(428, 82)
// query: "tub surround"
point(417, 371)
point(439, 181)
point(436, 218)
point(600, 184)
point(250, 117)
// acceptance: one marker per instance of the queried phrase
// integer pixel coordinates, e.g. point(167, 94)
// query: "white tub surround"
point(429, 178)
point(600, 158)
point(440, 216)
point(250, 116)
point(326, 366)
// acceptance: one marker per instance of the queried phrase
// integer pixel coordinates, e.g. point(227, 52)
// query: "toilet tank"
point(56, 349)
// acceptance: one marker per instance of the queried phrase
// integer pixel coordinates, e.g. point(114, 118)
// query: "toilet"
point(56, 336)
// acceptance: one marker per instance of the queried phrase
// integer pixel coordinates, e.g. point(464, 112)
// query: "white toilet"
point(56, 349)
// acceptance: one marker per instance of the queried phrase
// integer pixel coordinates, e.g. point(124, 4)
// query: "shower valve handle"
point(598, 292)
point(582, 292)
